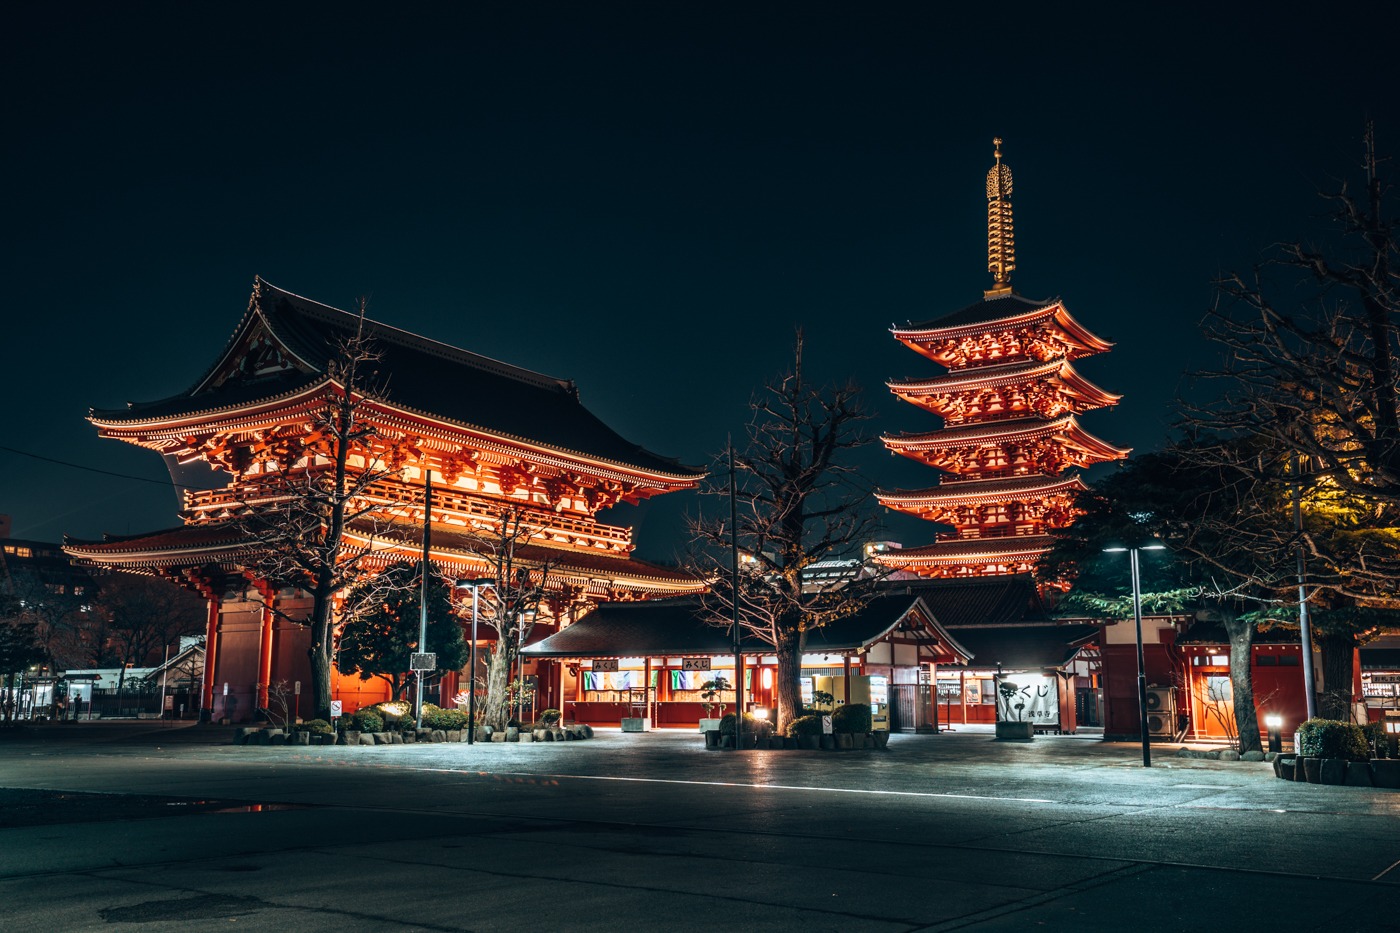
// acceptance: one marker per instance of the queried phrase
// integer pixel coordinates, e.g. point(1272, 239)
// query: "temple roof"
point(960, 551)
point(988, 310)
point(225, 544)
point(998, 600)
point(419, 375)
point(1001, 489)
point(1021, 372)
point(678, 627)
point(1043, 647)
point(1010, 431)
point(1006, 312)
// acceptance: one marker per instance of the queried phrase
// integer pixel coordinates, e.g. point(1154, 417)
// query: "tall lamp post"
point(475, 586)
point(1137, 623)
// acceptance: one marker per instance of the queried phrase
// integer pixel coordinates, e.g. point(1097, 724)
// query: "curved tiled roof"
point(418, 374)
point(1002, 489)
point(679, 627)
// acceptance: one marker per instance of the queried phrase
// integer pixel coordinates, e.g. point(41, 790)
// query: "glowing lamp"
point(760, 712)
point(1275, 723)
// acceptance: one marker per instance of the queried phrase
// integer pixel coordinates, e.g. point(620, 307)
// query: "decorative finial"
point(1001, 235)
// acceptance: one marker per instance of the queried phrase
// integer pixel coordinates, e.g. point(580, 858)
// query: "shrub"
point(550, 717)
point(805, 725)
point(445, 719)
point(394, 712)
point(365, 720)
point(752, 725)
point(1377, 739)
point(1329, 738)
point(316, 727)
point(853, 718)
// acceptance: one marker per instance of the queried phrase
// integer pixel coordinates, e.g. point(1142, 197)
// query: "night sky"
point(645, 198)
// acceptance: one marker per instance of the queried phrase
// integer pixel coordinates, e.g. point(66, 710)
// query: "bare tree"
point(143, 614)
point(314, 485)
point(510, 605)
point(1310, 380)
point(797, 505)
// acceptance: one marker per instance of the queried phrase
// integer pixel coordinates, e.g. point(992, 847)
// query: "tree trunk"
point(1242, 682)
point(789, 680)
point(1334, 702)
point(493, 709)
point(319, 653)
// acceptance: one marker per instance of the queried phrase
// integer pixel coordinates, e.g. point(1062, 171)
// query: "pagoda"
point(501, 444)
point(1010, 401)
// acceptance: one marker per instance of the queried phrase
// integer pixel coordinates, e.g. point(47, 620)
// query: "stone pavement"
point(649, 831)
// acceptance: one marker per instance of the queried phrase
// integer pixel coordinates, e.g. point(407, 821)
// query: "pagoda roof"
point(1006, 312)
point(1000, 489)
point(1012, 430)
point(960, 551)
point(1001, 375)
point(679, 627)
point(419, 375)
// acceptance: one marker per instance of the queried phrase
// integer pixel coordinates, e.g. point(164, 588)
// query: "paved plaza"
point(150, 828)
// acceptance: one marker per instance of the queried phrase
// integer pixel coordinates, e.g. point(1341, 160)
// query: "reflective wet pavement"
point(650, 831)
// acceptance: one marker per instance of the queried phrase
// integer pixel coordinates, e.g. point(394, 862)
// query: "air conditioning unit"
point(1161, 711)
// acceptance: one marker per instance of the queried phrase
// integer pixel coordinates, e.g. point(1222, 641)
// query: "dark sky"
point(645, 198)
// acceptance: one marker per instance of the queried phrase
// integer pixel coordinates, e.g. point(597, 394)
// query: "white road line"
point(819, 790)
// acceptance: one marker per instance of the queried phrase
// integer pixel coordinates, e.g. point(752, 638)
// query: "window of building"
point(24, 552)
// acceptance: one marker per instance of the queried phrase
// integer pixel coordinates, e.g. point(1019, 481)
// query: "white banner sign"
point(1027, 698)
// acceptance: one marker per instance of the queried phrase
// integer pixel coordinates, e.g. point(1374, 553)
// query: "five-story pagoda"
point(1010, 403)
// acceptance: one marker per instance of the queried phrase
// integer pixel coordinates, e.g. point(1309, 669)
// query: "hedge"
point(1329, 738)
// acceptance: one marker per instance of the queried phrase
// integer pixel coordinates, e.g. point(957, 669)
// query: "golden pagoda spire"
point(1001, 233)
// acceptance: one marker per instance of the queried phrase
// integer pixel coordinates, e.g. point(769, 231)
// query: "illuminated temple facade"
point(502, 444)
point(1010, 402)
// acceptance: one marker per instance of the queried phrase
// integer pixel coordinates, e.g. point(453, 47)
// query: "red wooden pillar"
point(211, 653)
point(646, 687)
point(265, 652)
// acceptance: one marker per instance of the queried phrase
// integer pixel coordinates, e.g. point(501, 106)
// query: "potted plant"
point(1008, 695)
point(710, 692)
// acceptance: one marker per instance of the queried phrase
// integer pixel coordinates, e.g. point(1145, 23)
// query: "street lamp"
point(1274, 723)
point(475, 586)
point(1137, 622)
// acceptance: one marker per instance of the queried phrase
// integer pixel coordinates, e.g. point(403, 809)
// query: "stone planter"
point(826, 742)
point(1016, 731)
point(1283, 767)
point(809, 742)
point(844, 740)
point(882, 739)
point(636, 724)
point(1333, 771)
point(1358, 774)
point(1385, 772)
point(1312, 770)
point(709, 725)
point(351, 737)
point(712, 738)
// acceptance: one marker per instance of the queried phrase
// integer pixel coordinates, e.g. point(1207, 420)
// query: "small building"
point(652, 660)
